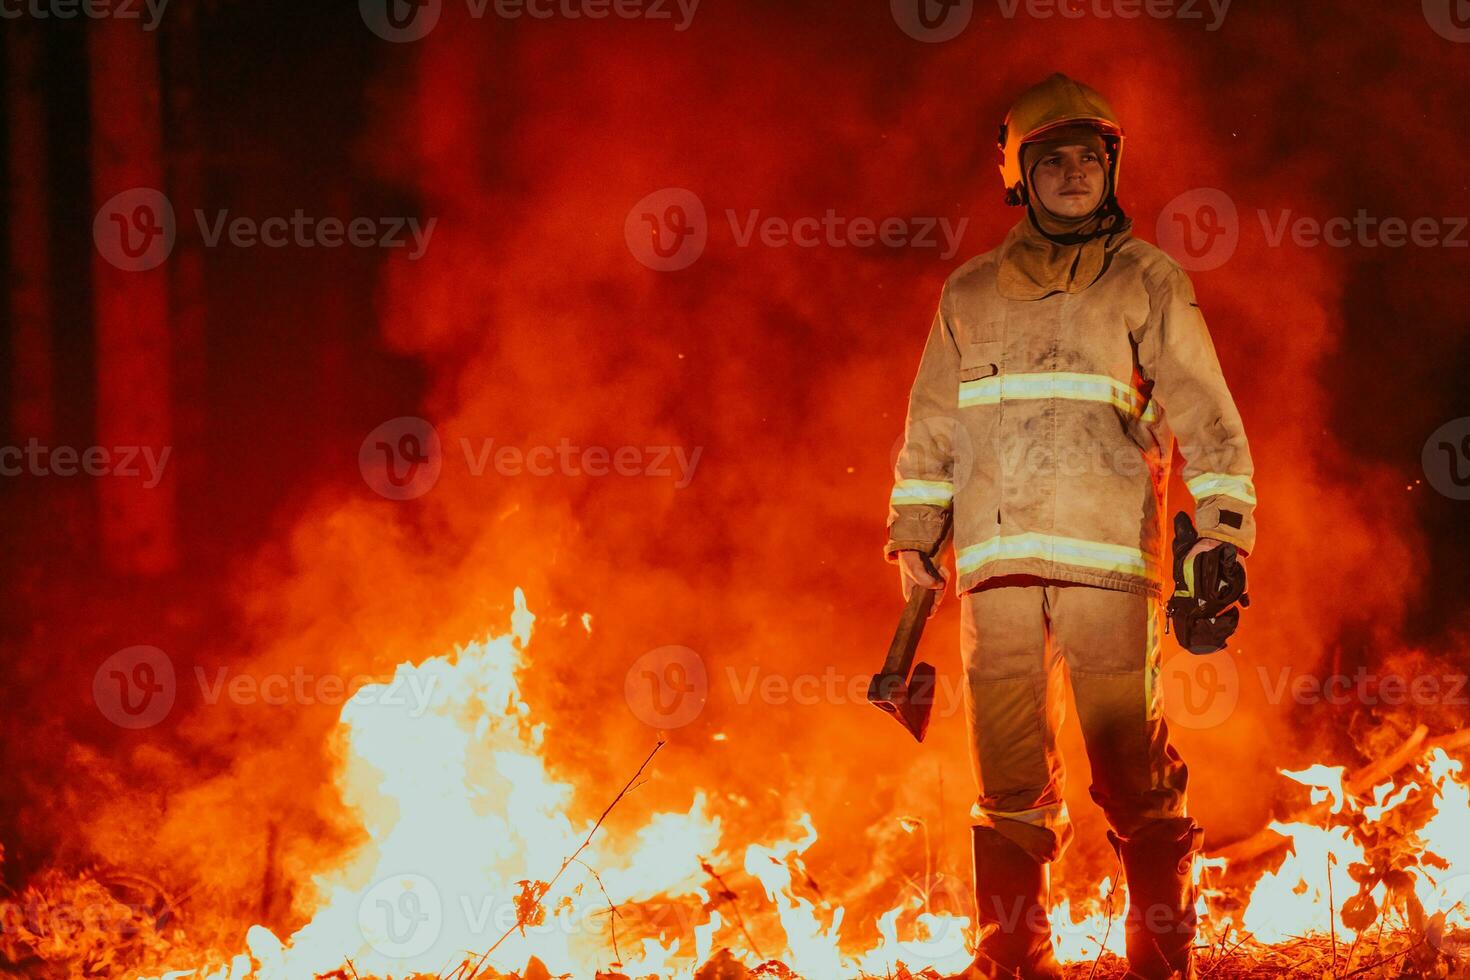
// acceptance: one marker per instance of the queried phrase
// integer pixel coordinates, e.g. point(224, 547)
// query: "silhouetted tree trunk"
point(33, 408)
point(190, 312)
point(130, 306)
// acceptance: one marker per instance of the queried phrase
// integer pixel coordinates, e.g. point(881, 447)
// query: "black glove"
point(1202, 609)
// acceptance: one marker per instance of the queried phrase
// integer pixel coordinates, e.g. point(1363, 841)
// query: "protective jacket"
point(1044, 430)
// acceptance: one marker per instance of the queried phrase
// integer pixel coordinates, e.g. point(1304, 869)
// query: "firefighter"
point(1059, 372)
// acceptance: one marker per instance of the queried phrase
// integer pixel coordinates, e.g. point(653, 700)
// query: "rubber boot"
point(1011, 893)
point(1161, 922)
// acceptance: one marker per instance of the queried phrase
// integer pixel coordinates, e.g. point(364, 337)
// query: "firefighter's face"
point(1069, 181)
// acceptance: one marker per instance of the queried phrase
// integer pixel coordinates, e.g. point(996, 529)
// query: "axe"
point(907, 697)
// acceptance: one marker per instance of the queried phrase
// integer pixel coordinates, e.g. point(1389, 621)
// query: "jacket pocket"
point(980, 360)
point(985, 331)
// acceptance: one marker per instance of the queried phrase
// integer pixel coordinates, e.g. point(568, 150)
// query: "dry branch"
point(1415, 747)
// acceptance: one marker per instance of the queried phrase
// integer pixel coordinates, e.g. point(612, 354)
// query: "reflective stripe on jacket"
point(1046, 428)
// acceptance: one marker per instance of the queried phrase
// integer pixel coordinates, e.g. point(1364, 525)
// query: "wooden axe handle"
point(900, 659)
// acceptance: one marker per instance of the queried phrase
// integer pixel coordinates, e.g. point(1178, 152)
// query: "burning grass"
point(1369, 878)
point(129, 940)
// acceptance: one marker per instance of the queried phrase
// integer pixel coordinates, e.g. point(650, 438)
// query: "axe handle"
point(900, 659)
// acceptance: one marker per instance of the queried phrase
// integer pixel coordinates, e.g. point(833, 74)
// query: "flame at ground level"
point(472, 864)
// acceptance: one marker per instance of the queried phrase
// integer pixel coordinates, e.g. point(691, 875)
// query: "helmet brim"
point(1103, 126)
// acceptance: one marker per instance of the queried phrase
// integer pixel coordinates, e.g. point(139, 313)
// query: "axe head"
point(908, 699)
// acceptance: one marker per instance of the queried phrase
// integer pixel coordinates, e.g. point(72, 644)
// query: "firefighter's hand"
point(1200, 547)
point(912, 574)
point(1209, 544)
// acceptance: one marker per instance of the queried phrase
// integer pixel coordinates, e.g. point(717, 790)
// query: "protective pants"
point(1016, 632)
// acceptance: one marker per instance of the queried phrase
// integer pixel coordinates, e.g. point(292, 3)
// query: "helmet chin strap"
point(1108, 210)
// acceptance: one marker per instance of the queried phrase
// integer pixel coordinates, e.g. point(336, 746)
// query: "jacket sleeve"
point(1179, 357)
point(923, 491)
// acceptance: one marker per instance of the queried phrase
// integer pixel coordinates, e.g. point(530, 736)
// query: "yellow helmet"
point(1058, 101)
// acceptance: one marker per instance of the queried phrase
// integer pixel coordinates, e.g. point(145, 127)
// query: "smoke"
point(786, 370)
